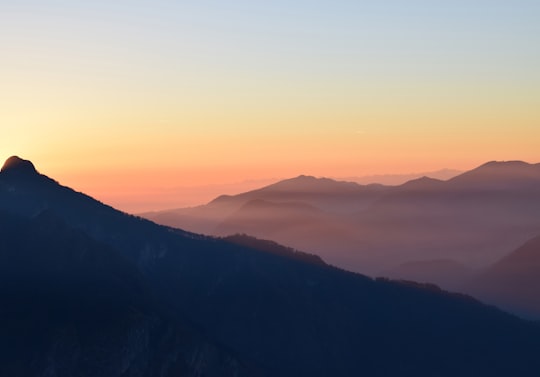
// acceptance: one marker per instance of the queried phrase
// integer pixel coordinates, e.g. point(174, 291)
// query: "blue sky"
point(270, 88)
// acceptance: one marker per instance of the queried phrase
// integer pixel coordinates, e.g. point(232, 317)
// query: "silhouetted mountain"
point(292, 317)
point(18, 166)
point(500, 175)
point(447, 273)
point(513, 282)
point(273, 248)
point(71, 306)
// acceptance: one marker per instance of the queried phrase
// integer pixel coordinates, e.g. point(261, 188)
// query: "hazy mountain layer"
point(473, 219)
point(513, 282)
point(272, 307)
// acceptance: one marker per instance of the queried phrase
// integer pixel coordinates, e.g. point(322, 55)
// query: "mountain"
point(500, 175)
point(514, 281)
point(446, 272)
point(274, 248)
point(74, 307)
point(322, 193)
point(399, 179)
point(258, 304)
point(305, 212)
point(285, 222)
point(472, 219)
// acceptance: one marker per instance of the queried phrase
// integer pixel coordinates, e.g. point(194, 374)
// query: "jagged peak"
point(15, 164)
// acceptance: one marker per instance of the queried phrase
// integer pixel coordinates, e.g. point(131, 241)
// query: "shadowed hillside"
point(273, 309)
point(513, 282)
point(74, 307)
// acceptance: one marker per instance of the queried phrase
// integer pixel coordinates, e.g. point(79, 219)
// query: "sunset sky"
point(131, 98)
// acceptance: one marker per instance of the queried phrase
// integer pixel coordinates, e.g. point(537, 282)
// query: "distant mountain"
point(323, 193)
point(259, 304)
point(500, 175)
point(320, 192)
point(399, 179)
point(285, 222)
point(472, 219)
point(514, 281)
point(288, 211)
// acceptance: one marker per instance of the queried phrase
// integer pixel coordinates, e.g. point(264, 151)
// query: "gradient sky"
point(131, 97)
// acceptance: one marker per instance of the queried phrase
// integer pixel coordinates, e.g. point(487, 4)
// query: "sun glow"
point(113, 98)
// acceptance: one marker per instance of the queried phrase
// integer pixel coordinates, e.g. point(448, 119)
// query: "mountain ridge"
point(17, 165)
point(74, 306)
point(473, 220)
point(290, 316)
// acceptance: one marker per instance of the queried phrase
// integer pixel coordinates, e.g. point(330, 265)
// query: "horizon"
point(158, 199)
point(128, 199)
point(134, 99)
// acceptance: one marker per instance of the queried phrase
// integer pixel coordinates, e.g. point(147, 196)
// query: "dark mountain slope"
point(71, 306)
point(291, 316)
point(273, 248)
point(448, 273)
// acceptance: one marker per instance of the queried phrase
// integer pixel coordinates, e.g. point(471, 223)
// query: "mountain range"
point(513, 282)
point(91, 291)
point(443, 232)
point(398, 179)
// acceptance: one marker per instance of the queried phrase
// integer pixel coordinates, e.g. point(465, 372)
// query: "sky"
point(134, 98)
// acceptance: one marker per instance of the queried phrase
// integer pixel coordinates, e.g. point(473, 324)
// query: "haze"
point(142, 97)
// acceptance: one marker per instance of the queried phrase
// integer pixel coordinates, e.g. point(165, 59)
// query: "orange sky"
point(133, 103)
